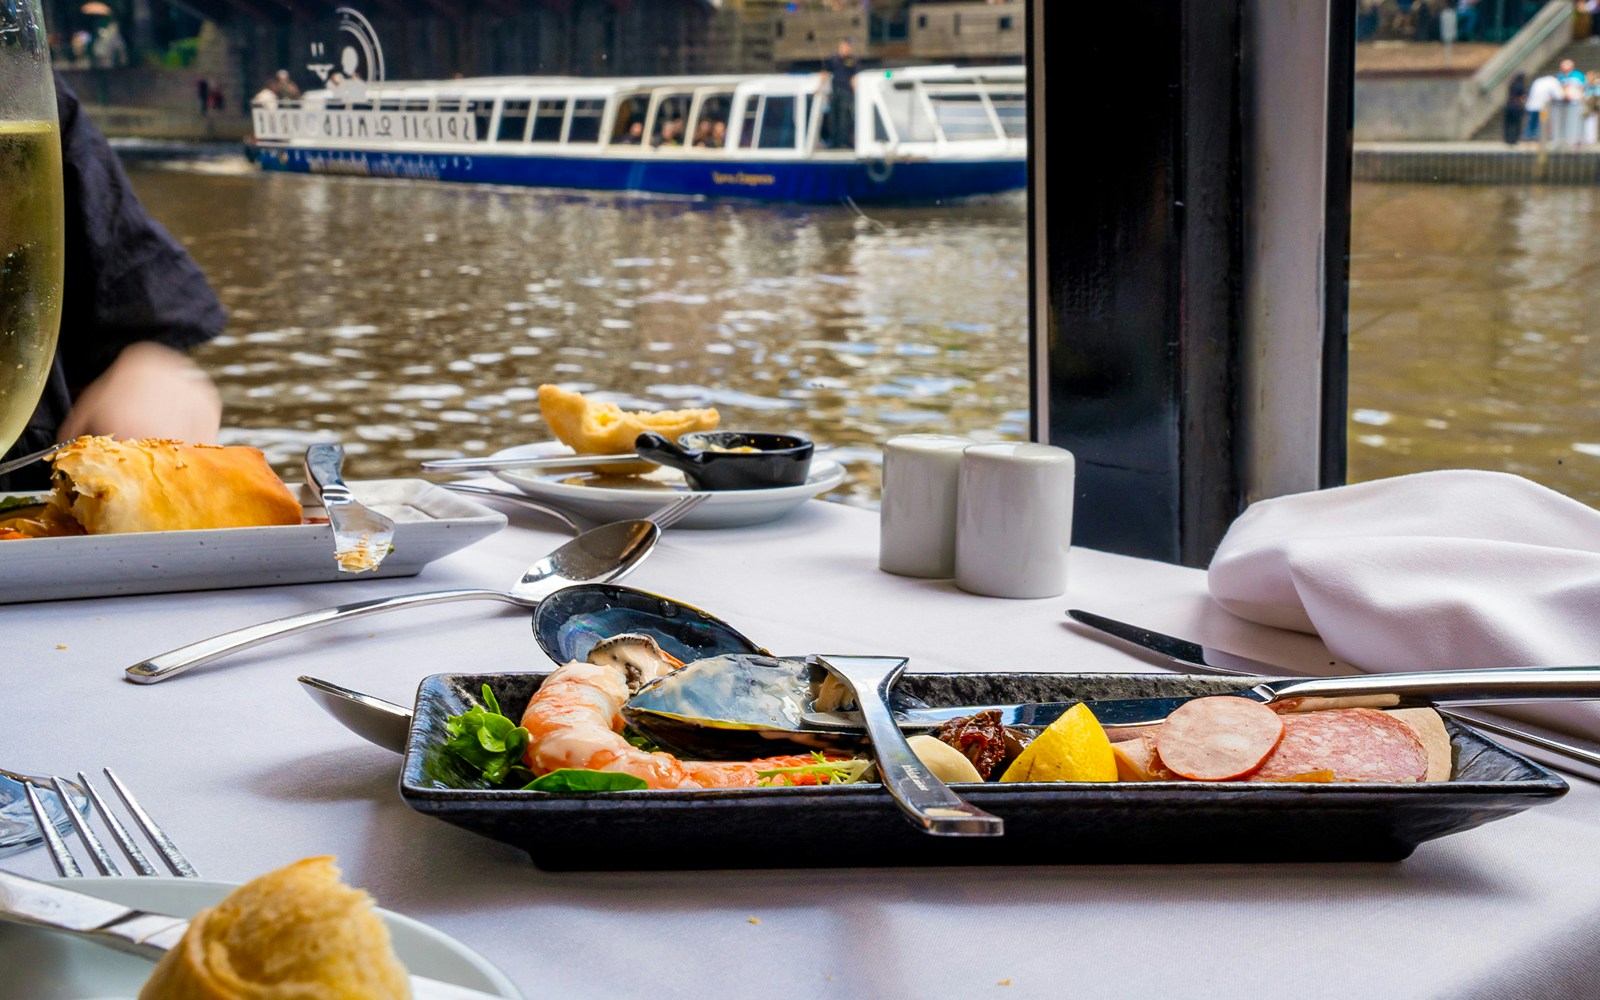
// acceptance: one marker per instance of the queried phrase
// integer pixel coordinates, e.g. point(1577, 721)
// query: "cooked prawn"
point(575, 720)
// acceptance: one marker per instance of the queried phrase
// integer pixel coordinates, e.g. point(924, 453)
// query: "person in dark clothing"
point(133, 301)
point(841, 68)
point(1516, 109)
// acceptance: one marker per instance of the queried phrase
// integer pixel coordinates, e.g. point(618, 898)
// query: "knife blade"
point(1546, 746)
point(148, 935)
point(1493, 686)
point(362, 536)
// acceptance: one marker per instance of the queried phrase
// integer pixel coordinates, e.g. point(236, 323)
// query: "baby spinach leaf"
point(487, 740)
point(571, 779)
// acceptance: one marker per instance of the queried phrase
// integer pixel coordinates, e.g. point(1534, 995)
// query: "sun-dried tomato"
point(980, 737)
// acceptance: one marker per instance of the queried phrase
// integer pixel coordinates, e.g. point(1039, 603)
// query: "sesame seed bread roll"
point(111, 486)
point(297, 933)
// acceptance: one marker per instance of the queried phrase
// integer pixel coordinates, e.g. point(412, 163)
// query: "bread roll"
point(111, 486)
point(294, 934)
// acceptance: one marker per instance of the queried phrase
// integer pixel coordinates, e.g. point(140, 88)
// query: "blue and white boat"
point(921, 133)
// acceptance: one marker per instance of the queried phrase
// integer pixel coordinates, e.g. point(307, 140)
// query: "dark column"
point(1137, 245)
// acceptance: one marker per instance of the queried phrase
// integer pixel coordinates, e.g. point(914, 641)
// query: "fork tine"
point(80, 822)
point(164, 846)
point(674, 512)
point(119, 833)
point(65, 864)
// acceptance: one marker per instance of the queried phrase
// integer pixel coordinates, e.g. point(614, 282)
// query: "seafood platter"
point(625, 758)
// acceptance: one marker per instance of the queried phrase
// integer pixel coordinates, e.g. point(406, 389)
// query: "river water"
point(414, 320)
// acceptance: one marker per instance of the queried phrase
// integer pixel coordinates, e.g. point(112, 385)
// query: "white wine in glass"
point(31, 228)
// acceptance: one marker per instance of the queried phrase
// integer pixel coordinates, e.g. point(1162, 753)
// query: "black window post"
point(1142, 196)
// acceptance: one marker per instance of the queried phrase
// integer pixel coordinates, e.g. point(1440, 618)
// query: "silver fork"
point(68, 866)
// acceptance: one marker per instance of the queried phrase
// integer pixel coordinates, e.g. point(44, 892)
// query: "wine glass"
point(31, 225)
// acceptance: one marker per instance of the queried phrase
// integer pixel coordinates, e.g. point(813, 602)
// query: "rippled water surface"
point(1475, 332)
point(416, 320)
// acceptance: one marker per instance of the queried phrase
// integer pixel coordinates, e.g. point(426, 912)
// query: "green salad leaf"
point(572, 779)
point(823, 772)
point(24, 500)
point(487, 740)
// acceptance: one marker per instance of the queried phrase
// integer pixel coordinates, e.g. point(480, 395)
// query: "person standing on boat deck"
point(841, 69)
point(133, 302)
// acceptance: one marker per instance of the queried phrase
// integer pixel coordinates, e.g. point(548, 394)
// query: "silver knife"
point(1544, 745)
point(1493, 686)
point(362, 536)
point(137, 932)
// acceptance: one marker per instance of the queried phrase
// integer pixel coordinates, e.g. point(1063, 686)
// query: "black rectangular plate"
point(1145, 823)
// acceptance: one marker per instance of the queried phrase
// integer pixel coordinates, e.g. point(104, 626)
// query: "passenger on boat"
point(719, 134)
point(671, 133)
point(702, 133)
point(841, 80)
point(634, 136)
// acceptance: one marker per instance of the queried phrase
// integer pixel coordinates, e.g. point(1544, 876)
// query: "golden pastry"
point(294, 934)
point(111, 486)
point(591, 428)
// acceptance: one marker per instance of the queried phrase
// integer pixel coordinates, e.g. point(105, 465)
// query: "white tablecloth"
point(247, 773)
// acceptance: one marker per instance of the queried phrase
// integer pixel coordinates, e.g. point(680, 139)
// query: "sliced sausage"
point(1219, 738)
point(1356, 744)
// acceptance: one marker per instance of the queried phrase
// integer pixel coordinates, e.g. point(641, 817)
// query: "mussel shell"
point(569, 622)
point(735, 706)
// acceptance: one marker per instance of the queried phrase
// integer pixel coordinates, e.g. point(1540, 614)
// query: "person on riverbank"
point(1516, 109)
point(134, 301)
point(1541, 93)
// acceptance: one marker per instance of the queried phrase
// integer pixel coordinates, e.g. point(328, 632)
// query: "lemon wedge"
point(1073, 748)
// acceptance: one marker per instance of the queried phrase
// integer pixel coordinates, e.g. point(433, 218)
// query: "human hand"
point(150, 391)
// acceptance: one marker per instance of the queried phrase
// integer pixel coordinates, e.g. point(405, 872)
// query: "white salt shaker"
point(917, 517)
point(1014, 519)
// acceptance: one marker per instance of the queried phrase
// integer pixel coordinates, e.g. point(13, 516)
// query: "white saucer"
point(44, 965)
point(601, 499)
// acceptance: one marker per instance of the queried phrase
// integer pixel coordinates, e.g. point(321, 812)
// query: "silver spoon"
point(381, 723)
point(18, 831)
point(602, 554)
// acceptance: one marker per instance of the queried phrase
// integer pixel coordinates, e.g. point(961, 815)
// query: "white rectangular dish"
point(430, 522)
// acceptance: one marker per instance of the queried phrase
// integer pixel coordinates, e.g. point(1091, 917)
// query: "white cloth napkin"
point(1431, 571)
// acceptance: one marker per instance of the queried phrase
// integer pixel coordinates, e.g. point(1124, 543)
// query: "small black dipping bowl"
point(779, 459)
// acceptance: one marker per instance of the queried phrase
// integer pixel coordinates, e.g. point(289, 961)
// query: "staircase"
point(1584, 55)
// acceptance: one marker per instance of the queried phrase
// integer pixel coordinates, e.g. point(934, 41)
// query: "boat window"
point(586, 114)
point(880, 128)
point(747, 128)
point(911, 121)
point(482, 115)
point(630, 112)
point(1011, 108)
point(776, 130)
point(333, 106)
point(390, 106)
point(672, 116)
point(547, 120)
point(361, 106)
point(416, 105)
point(448, 104)
point(513, 121)
point(962, 116)
point(711, 124)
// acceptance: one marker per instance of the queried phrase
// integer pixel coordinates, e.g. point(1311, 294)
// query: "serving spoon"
point(606, 553)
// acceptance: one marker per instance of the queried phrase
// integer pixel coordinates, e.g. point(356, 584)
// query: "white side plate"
point(42, 965)
point(578, 492)
point(429, 522)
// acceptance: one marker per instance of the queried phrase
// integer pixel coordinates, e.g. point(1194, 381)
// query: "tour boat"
point(921, 133)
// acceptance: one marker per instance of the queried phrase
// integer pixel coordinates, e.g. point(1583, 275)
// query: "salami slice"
point(1356, 744)
point(1219, 738)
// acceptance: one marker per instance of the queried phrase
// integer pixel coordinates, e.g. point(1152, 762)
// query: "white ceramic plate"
point(615, 498)
point(429, 522)
point(43, 965)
